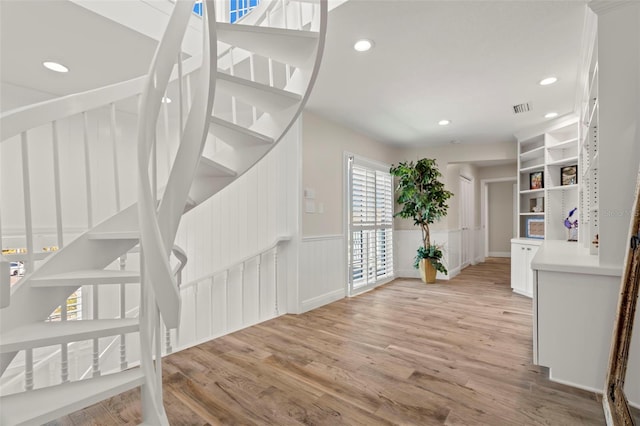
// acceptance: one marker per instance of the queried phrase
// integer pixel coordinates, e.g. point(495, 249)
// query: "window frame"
point(386, 226)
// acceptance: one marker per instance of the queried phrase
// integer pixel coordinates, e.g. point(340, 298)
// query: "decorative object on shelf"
point(535, 228)
point(572, 226)
point(536, 180)
point(423, 198)
point(536, 205)
point(569, 175)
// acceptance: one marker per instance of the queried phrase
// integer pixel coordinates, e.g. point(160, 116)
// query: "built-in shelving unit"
point(552, 155)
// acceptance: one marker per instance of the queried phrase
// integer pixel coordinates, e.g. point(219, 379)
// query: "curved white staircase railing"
point(233, 120)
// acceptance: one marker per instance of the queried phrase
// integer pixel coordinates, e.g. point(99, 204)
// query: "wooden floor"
point(457, 352)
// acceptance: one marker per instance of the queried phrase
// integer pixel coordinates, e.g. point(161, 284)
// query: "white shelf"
point(532, 168)
point(531, 191)
point(531, 154)
point(563, 187)
point(564, 145)
point(561, 147)
point(564, 161)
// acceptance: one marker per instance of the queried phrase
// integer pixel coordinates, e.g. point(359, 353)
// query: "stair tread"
point(46, 404)
point(262, 96)
point(237, 136)
point(105, 275)
point(292, 47)
point(211, 168)
point(51, 333)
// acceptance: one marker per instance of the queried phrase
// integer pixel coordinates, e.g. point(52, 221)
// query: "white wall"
point(500, 218)
point(247, 217)
point(324, 145)
point(323, 275)
point(619, 131)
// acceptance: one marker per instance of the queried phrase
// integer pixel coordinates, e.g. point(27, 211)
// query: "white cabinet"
point(522, 252)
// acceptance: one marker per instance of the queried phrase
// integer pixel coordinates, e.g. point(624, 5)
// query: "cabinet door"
point(518, 267)
point(530, 253)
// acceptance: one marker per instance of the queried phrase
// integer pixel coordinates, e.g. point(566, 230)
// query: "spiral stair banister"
point(156, 239)
point(156, 269)
point(194, 137)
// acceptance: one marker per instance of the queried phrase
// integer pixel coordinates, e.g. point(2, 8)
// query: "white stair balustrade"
point(231, 298)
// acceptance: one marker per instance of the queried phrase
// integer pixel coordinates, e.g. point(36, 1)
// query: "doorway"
point(498, 215)
point(466, 222)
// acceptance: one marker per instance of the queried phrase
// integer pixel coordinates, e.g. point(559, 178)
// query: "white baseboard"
point(452, 273)
point(323, 299)
point(522, 293)
point(479, 259)
point(587, 388)
point(407, 273)
point(499, 254)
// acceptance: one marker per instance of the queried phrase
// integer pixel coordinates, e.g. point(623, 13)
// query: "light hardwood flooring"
point(454, 353)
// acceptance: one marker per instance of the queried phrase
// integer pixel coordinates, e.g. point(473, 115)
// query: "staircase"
point(227, 122)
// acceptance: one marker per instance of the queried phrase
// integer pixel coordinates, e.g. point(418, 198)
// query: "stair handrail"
point(18, 120)
point(276, 243)
point(181, 255)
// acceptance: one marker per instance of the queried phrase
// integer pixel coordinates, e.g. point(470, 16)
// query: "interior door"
point(466, 221)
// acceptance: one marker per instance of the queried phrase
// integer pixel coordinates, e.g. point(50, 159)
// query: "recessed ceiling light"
point(54, 66)
point(547, 81)
point(166, 100)
point(363, 45)
point(444, 122)
point(551, 115)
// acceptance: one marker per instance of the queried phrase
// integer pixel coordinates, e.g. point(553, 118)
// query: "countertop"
point(568, 256)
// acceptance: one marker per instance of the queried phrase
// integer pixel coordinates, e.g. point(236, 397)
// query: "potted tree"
point(422, 198)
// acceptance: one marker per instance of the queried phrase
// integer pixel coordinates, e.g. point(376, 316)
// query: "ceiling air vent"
point(520, 108)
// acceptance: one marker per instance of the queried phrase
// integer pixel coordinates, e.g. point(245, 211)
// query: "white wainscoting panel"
point(246, 216)
point(231, 300)
point(453, 254)
point(322, 271)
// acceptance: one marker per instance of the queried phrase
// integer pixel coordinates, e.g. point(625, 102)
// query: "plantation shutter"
point(371, 225)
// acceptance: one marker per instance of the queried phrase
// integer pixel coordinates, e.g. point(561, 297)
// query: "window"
point(74, 308)
point(239, 8)
point(370, 224)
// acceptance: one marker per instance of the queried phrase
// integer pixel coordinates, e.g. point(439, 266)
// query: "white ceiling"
point(467, 61)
